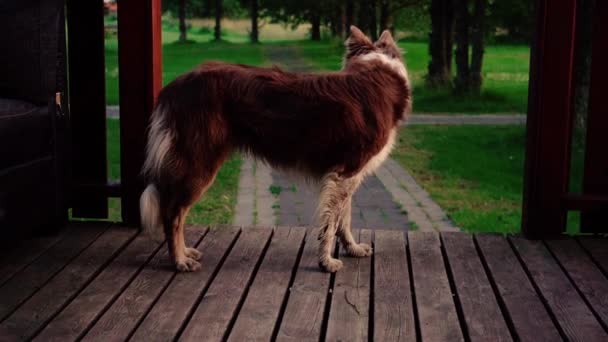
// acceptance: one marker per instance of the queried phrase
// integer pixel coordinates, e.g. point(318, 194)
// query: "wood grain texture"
point(303, 316)
point(34, 276)
point(482, 314)
point(598, 248)
point(20, 256)
point(349, 310)
point(37, 310)
point(169, 313)
point(393, 304)
point(526, 311)
point(573, 315)
point(587, 276)
point(218, 305)
point(436, 307)
point(118, 322)
point(105, 288)
point(258, 317)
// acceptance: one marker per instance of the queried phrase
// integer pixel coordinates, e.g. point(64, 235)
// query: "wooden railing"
point(550, 118)
point(140, 80)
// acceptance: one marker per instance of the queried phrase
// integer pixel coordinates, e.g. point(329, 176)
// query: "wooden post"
point(140, 80)
point(550, 115)
point(86, 55)
point(595, 180)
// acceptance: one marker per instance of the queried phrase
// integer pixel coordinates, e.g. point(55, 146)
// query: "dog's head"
point(360, 48)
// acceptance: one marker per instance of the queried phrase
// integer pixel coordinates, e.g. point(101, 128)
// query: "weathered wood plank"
point(258, 317)
point(393, 303)
point(169, 313)
point(526, 311)
point(34, 276)
point(19, 257)
point(303, 316)
point(37, 310)
point(434, 298)
point(107, 286)
point(598, 248)
point(219, 304)
point(585, 274)
point(574, 317)
point(349, 311)
point(482, 314)
point(118, 322)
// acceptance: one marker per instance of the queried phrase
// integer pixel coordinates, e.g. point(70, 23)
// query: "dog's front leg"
point(346, 237)
point(327, 238)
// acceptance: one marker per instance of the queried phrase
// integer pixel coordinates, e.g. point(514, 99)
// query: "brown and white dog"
point(332, 128)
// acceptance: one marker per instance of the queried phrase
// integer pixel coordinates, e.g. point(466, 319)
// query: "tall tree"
point(386, 16)
point(373, 19)
point(182, 21)
point(349, 15)
point(477, 44)
point(468, 76)
point(315, 22)
point(217, 33)
point(254, 13)
point(440, 43)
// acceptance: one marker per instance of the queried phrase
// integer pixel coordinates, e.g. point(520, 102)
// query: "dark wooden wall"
point(140, 65)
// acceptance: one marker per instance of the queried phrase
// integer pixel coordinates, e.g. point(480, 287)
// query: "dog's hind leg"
point(187, 193)
point(332, 200)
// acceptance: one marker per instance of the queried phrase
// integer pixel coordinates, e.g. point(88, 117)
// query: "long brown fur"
point(326, 126)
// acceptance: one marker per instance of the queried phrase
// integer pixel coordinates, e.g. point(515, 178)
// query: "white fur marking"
point(393, 63)
point(159, 143)
point(379, 158)
point(149, 208)
point(397, 66)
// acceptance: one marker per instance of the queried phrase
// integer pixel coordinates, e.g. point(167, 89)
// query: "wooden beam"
point(585, 203)
point(595, 179)
point(549, 119)
point(140, 80)
point(86, 55)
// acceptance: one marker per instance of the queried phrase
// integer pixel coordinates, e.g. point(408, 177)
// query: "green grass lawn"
point(505, 73)
point(474, 172)
point(179, 58)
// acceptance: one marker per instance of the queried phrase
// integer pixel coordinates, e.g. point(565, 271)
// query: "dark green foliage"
point(512, 21)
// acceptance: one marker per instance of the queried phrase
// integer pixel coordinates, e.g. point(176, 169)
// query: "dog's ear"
point(387, 45)
point(386, 38)
point(358, 43)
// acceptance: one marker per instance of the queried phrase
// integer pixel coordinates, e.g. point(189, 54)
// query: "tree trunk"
point(218, 20)
point(461, 83)
point(349, 16)
point(315, 21)
point(254, 21)
point(440, 44)
point(477, 36)
point(386, 17)
point(362, 21)
point(373, 20)
point(207, 5)
point(336, 20)
point(182, 21)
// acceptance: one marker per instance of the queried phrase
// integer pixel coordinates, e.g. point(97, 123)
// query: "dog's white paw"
point(359, 250)
point(188, 265)
point(331, 265)
point(193, 253)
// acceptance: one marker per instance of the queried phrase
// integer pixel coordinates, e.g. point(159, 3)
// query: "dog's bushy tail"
point(149, 207)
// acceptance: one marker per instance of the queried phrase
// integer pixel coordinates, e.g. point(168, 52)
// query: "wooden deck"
point(95, 281)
